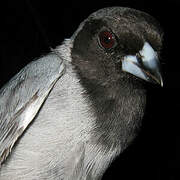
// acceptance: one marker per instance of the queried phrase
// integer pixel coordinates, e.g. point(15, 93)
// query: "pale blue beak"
point(144, 65)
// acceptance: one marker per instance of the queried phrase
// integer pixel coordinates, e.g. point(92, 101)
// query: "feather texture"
point(22, 97)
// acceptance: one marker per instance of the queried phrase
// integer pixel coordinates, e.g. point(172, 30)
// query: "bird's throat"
point(118, 110)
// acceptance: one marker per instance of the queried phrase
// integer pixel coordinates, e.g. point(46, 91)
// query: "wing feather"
point(22, 97)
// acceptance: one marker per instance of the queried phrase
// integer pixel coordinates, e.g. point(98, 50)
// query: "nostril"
point(139, 58)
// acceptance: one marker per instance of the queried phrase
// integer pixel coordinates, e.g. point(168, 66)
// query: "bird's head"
point(118, 43)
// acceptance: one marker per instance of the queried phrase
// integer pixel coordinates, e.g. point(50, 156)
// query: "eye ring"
point(107, 39)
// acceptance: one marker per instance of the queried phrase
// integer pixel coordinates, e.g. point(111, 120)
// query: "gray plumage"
point(68, 114)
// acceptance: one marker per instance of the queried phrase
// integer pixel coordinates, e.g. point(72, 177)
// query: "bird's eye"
point(107, 39)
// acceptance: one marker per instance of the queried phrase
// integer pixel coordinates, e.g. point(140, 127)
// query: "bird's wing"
point(22, 97)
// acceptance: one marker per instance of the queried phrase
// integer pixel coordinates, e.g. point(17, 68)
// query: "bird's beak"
point(144, 65)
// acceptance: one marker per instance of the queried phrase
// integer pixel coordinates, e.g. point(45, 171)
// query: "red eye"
point(107, 39)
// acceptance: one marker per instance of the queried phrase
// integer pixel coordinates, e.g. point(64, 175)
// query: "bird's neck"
point(118, 110)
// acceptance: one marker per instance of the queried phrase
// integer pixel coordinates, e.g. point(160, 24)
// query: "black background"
point(28, 30)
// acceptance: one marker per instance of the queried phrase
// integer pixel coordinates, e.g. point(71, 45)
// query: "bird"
point(68, 114)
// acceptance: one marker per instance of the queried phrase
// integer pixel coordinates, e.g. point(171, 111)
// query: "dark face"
point(113, 50)
point(106, 39)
